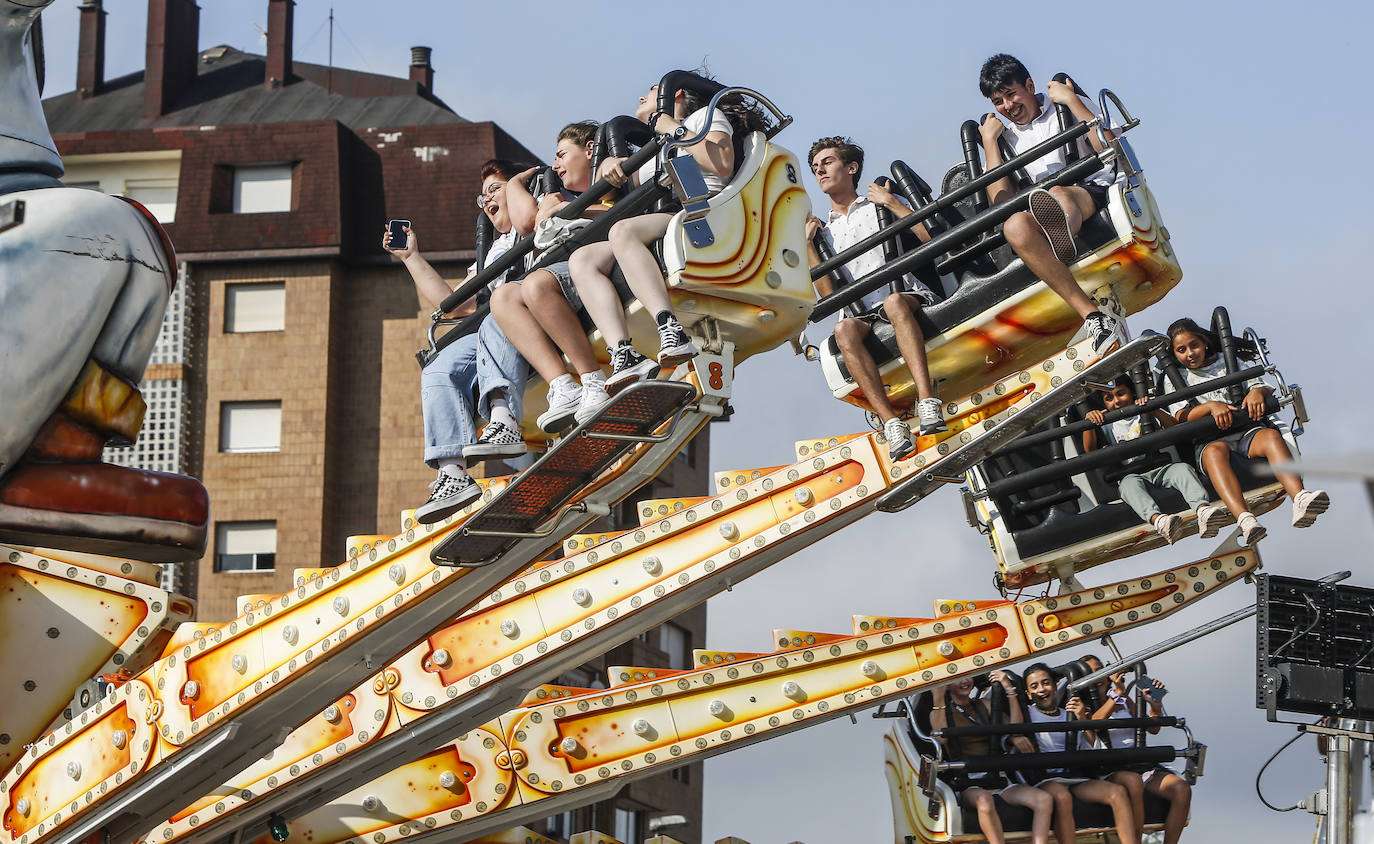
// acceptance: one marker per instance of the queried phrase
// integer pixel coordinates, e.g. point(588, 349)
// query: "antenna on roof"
point(262, 34)
point(329, 76)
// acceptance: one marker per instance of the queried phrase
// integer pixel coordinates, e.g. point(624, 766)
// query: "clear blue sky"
point(1254, 137)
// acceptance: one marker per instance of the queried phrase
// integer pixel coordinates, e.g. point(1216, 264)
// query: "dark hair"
point(581, 133)
point(1123, 380)
point(1245, 347)
point(1039, 666)
point(1001, 71)
point(850, 153)
point(502, 167)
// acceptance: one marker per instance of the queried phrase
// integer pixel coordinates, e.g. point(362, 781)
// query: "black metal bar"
point(837, 276)
point(1066, 118)
point(929, 251)
point(1066, 759)
point(891, 248)
point(974, 250)
point(1041, 437)
point(970, 139)
point(572, 210)
point(954, 196)
point(1054, 726)
point(1221, 327)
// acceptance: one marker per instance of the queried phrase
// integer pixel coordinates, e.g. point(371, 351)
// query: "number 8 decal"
point(717, 375)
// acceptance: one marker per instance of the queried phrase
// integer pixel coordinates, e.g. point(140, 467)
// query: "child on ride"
point(837, 163)
point(1198, 350)
point(1043, 236)
point(1136, 488)
point(480, 373)
point(629, 242)
point(955, 707)
point(1042, 689)
point(539, 312)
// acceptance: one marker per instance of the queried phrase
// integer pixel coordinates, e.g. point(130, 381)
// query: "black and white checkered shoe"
point(448, 494)
point(1050, 215)
point(1106, 332)
point(498, 441)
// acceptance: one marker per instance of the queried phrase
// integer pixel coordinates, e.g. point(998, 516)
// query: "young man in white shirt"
point(837, 163)
point(1043, 235)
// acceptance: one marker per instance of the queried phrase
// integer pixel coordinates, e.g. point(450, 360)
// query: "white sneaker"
point(1308, 505)
point(1169, 526)
point(931, 421)
point(1251, 531)
point(1210, 520)
point(1106, 332)
point(563, 401)
point(899, 442)
point(593, 397)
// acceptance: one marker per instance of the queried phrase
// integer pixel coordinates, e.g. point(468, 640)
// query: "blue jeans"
point(458, 385)
point(1135, 489)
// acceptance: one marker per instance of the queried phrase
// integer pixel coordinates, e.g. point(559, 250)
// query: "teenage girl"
point(1198, 352)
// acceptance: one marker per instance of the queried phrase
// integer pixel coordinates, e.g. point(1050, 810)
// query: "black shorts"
point(1098, 193)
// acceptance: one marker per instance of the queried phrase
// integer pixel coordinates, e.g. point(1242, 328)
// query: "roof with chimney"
point(230, 88)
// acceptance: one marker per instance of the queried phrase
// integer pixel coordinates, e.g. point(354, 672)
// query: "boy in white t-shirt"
point(1043, 236)
point(837, 163)
point(1137, 489)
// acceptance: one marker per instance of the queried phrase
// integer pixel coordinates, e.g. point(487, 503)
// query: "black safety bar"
point(1064, 759)
point(892, 246)
point(1056, 726)
point(1221, 326)
point(971, 141)
point(837, 276)
point(1058, 434)
point(615, 137)
point(675, 80)
point(1191, 429)
point(1066, 118)
point(929, 251)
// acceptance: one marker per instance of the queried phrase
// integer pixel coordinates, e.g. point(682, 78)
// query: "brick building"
point(285, 378)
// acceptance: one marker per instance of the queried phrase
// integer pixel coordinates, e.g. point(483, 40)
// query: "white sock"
point(594, 377)
point(454, 467)
point(1244, 515)
point(500, 412)
point(562, 383)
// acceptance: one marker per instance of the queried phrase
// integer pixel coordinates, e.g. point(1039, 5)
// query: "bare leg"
point(591, 266)
point(630, 239)
point(545, 300)
point(849, 336)
point(1041, 805)
point(1270, 445)
point(1030, 243)
point(1115, 796)
point(1064, 830)
point(518, 324)
point(901, 311)
point(1135, 788)
point(1216, 462)
point(1176, 790)
point(982, 802)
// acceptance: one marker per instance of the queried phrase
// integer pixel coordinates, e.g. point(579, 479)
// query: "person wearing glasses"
point(481, 374)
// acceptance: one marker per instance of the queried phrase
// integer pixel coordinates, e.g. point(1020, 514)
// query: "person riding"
point(1043, 235)
point(479, 374)
point(837, 164)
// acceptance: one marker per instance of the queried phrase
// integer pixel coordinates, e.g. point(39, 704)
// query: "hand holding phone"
point(1152, 689)
point(399, 240)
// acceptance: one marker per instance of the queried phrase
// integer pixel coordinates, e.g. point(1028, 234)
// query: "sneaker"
point(674, 346)
point(1251, 531)
point(563, 401)
point(899, 442)
point(1210, 520)
point(1169, 526)
point(931, 421)
point(1105, 330)
point(1308, 505)
point(627, 367)
point(448, 495)
point(592, 397)
point(498, 441)
point(1054, 222)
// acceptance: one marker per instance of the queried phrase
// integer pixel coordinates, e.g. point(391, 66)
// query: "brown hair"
point(850, 153)
point(580, 133)
point(498, 167)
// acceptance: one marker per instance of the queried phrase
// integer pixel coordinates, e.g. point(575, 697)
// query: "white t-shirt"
point(1122, 430)
point(693, 124)
point(1042, 128)
point(844, 230)
point(1053, 742)
point(1209, 372)
point(499, 247)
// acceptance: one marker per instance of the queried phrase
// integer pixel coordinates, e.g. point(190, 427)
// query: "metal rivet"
point(448, 779)
point(803, 496)
point(22, 804)
point(290, 634)
point(653, 565)
point(870, 668)
point(332, 714)
point(716, 708)
point(791, 689)
point(341, 605)
point(729, 532)
point(119, 739)
point(371, 803)
point(396, 572)
point(240, 663)
point(581, 596)
point(510, 629)
point(441, 657)
point(191, 690)
point(947, 648)
point(74, 769)
point(642, 727)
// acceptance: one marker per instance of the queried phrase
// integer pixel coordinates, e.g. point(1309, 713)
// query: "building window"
point(676, 642)
point(629, 825)
point(255, 307)
point(262, 188)
point(682, 774)
point(245, 546)
point(159, 196)
point(560, 826)
point(250, 426)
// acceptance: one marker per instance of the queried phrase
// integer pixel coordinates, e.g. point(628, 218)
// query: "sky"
point(1252, 138)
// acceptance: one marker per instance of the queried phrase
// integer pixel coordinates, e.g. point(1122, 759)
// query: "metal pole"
point(1338, 787)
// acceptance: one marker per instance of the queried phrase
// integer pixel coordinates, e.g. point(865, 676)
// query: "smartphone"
point(1152, 691)
point(398, 233)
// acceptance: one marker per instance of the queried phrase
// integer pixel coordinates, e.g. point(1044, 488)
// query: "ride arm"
point(520, 205)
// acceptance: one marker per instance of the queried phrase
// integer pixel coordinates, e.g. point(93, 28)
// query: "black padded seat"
point(977, 292)
point(1086, 816)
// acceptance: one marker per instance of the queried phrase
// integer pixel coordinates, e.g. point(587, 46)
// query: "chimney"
point(279, 24)
point(173, 49)
point(420, 69)
point(90, 51)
